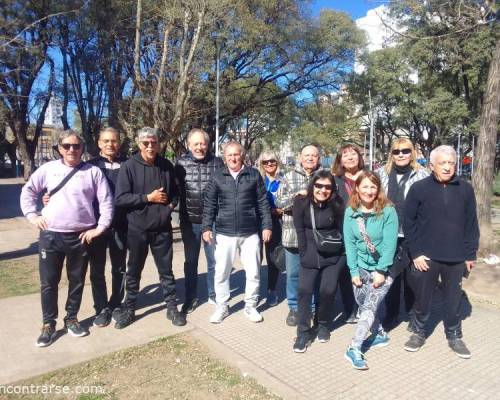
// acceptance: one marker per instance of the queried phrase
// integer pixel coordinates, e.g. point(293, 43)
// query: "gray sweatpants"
point(368, 299)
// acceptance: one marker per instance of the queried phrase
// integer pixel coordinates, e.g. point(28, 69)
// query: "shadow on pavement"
point(28, 251)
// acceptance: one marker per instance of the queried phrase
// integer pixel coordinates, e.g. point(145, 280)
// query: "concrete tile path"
point(262, 350)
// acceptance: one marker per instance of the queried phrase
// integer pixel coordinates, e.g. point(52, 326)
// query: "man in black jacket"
point(114, 238)
point(236, 202)
point(147, 189)
point(193, 171)
point(442, 231)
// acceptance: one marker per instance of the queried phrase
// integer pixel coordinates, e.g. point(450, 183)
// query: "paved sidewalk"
point(262, 350)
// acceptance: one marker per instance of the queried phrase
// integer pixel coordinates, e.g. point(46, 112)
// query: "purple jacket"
point(70, 209)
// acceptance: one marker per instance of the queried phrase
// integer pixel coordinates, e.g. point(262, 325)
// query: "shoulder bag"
point(328, 243)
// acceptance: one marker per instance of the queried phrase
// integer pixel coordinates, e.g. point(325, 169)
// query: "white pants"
point(225, 253)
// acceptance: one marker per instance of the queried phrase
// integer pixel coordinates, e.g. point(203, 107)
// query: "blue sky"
point(355, 8)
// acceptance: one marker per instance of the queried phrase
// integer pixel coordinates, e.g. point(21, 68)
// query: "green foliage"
point(431, 82)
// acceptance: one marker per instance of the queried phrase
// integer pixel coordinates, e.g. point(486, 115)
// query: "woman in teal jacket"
point(370, 236)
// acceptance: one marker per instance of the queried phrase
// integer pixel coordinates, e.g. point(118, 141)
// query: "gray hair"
point(147, 132)
point(68, 133)
point(109, 129)
point(444, 150)
point(194, 131)
point(235, 144)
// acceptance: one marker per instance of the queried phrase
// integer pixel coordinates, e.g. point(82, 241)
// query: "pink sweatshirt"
point(70, 209)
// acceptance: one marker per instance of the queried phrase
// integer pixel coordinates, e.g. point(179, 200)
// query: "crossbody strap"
point(366, 238)
point(65, 179)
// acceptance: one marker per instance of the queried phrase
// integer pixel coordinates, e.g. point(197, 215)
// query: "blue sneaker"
point(376, 340)
point(356, 358)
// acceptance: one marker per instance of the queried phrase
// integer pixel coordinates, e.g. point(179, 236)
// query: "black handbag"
point(328, 243)
point(401, 261)
point(278, 257)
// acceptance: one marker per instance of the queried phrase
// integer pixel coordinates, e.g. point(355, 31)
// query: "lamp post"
point(217, 78)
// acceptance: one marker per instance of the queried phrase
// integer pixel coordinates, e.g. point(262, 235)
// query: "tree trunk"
point(482, 179)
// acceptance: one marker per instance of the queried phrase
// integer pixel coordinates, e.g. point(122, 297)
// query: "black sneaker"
point(189, 306)
point(47, 336)
point(291, 319)
point(459, 347)
point(74, 328)
point(301, 344)
point(124, 317)
point(323, 335)
point(116, 313)
point(177, 318)
point(415, 342)
point(103, 318)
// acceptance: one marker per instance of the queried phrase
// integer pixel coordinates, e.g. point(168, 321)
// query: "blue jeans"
point(191, 236)
point(292, 261)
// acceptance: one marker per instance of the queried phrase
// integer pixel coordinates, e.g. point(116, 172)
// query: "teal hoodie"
point(383, 232)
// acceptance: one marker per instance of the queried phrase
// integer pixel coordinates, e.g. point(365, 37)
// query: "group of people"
point(368, 233)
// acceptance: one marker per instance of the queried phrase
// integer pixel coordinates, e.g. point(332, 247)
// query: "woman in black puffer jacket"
point(317, 265)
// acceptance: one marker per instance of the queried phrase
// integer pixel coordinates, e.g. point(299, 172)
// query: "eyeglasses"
point(269, 162)
point(67, 146)
point(321, 186)
point(148, 143)
point(397, 152)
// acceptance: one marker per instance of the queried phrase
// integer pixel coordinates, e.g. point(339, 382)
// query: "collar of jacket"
point(244, 170)
point(137, 157)
point(207, 157)
point(453, 181)
point(300, 170)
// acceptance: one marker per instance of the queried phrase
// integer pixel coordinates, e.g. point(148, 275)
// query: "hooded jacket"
point(136, 180)
point(193, 176)
point(239, 207)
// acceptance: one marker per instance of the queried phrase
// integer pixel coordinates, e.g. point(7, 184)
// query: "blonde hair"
point(381, 200)
point(396, 143)
point(268, 154)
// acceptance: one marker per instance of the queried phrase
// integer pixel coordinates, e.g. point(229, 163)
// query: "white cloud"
point(379, 34)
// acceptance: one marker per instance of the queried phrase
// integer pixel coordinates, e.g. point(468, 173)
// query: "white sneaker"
point(252, 314)
point(211, 301)
point(220, 313)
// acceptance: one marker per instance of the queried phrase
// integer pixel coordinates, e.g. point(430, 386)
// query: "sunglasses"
point(148, 143)
point(321, 186)
point(269, 162)
point(67, 146)
point(402, 151)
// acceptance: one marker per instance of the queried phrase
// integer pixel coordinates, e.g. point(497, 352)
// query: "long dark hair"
point(335, 200)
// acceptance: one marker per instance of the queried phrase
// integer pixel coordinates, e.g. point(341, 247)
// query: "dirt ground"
point(177, 367)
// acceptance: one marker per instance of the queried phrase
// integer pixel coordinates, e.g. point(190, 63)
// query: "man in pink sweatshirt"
point(67, 225)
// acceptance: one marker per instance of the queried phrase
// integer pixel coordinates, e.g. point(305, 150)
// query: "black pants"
point(451, 277)
point(116, 242)
point(308, 280)
point(346, 293)
point(138, 243)
point(273, 272)
point(54, 247)
point(392, 298)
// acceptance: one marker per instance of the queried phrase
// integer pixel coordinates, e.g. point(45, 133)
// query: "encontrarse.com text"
point(51, 389)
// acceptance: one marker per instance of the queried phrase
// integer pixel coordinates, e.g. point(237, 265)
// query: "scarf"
point(396, 190)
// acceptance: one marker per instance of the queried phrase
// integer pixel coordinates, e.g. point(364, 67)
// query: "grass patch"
point(19, 276)
point(176, 367)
